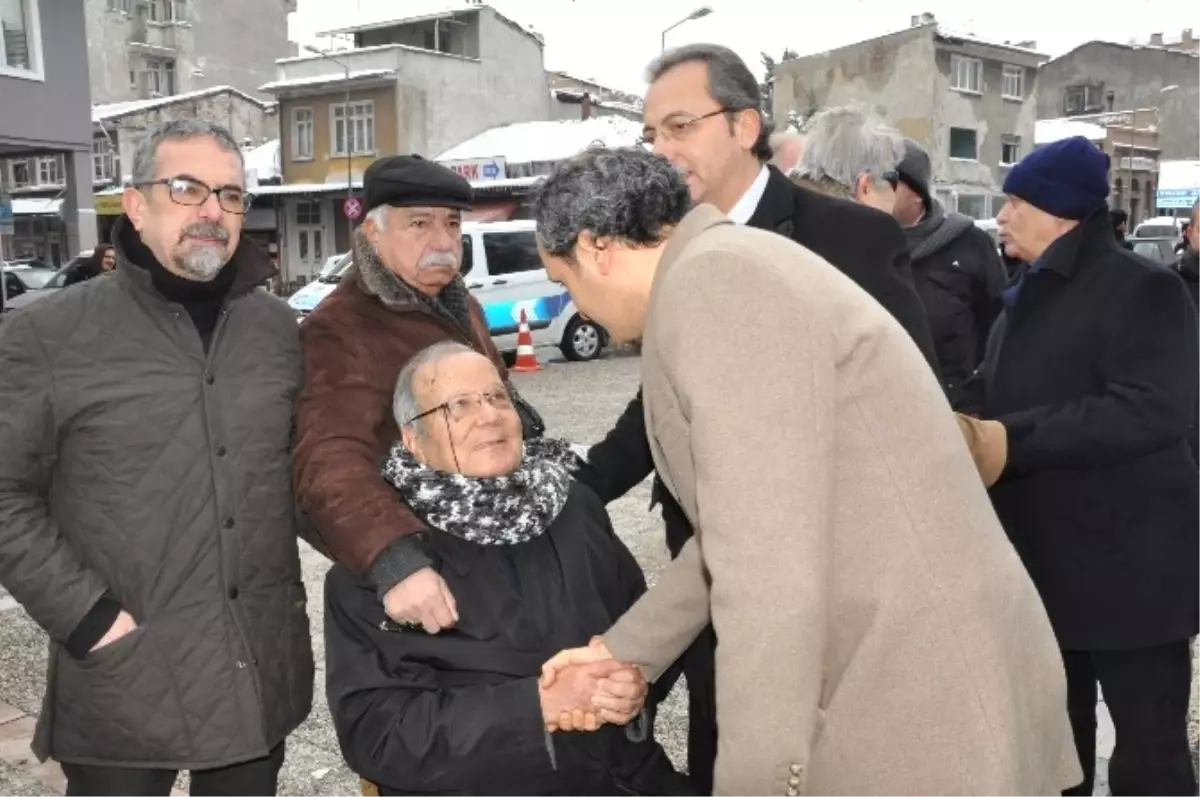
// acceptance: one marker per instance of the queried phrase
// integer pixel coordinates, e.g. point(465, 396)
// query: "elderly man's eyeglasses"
point(184, 190)
point(676, 127)
point(463, 406)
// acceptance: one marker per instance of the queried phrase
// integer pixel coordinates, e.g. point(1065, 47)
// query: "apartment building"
point(44, 126)
point(970, 102)
point(408, 84)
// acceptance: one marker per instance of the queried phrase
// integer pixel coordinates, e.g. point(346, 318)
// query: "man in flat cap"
point(403, 294)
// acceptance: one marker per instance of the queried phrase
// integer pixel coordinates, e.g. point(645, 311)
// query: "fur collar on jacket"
point(395, 294)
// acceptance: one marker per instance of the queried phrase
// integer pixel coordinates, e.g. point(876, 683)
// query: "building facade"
point(45, 124)
point(969, 102)
point(143, 49)
point(409, 85)
point(1102, 77)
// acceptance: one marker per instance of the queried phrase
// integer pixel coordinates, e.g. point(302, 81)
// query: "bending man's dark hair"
point(629, 194)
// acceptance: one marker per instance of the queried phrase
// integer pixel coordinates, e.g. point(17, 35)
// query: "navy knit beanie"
point(1067, 179)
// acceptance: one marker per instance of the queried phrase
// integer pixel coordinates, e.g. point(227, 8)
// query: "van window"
point(468, 259)
point(511, 252)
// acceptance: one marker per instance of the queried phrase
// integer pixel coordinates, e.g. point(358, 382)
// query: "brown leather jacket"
point(354, 345)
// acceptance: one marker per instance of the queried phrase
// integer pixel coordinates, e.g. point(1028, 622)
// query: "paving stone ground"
point(579, 402)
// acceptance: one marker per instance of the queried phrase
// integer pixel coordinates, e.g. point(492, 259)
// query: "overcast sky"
point(611, 41)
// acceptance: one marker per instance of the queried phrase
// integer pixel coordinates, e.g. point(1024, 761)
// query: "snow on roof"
point(417, 11)
point(1046, 131)
point(35, 206)
point(292, 189)
point(116, 110)
point(264, 161)
point(534, 142)
point(319, 80)
point(972, 38)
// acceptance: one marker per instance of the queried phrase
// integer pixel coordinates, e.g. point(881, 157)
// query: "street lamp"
point(702, 11)
point(345, 117)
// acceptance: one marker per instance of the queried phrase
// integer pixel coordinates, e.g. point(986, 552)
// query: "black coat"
point(960, 283)
point(458, 712)
point(1093, 371)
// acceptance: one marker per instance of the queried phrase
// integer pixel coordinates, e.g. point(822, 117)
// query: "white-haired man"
point(404, 293)
point(850, 152)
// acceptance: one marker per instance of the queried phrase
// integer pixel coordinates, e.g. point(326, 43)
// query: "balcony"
point(153, 38)
point(1136, 164)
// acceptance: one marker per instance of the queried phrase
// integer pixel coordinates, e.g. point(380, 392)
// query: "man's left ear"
point(863, 186)
point(133, 202)
point(411, 440)
point(594, 251)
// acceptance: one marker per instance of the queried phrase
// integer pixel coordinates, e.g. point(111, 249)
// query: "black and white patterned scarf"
point(506, 510)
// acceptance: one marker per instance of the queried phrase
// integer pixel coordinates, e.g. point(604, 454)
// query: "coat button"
point(227, 523)
point(221, 451)
point(233, 593)
point(793, 793)
point(796, 769)
point(209, 379)
point(794, 782)
point(241, 665)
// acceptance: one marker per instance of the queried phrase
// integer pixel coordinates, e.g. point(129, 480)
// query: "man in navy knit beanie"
point(1088, 401)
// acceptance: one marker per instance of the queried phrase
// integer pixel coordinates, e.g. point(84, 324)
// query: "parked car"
point(24, 284)
point(1161, 250)
point(48, 284)
point(502, 270)
point(1160, 227)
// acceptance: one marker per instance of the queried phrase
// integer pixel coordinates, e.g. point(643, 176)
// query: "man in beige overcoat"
point(878, 633)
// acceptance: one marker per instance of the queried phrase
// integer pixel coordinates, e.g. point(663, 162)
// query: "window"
point(1014, 82)
point(1083, 99)
point(120, 5)
point(511, 252)
point(1073, 100)
point(1010, 150)
point(19, 39)
point(302, 134)
point(102, 160)
point(49, 171)
point(160, 76)
point(19, 174)
point(973, 205)
point(468, 258)
point(361, 128)
point(160, 10)
point(308, 212)
point(962, 144)
point(966, 74)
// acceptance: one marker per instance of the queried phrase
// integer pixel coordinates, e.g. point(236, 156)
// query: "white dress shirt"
point(745, 207)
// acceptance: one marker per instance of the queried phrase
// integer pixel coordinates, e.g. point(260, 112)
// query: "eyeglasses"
point(675, 128)
point(459, 408)
point(184, 190)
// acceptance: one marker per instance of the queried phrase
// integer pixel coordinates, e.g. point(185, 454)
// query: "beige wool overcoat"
point(877, 633)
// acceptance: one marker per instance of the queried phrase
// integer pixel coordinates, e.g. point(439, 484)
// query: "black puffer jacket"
point(459, 712)
point(960, 277)
point(138, 467)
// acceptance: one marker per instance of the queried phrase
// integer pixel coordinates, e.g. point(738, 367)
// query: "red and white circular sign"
point(353, 208)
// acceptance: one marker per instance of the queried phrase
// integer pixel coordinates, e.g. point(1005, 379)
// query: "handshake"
point(583, 688)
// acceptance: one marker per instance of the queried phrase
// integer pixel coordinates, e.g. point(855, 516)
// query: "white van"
point(304, 300)
point(502, 270)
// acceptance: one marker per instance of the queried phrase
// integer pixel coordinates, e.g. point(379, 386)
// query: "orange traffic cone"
point(526, 358)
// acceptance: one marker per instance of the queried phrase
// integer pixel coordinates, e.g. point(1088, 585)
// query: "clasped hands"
point(583, 688)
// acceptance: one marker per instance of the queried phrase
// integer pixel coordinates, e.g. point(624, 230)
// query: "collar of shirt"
point(745, 207)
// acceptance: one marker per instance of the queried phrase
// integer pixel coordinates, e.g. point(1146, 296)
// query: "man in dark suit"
point(702, 113)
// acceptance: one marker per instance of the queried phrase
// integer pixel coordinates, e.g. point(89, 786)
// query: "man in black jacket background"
point(956, 267)
point(1091, 374)
point(702, 113)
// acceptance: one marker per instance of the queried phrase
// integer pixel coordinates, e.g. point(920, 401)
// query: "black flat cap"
point(407, 181)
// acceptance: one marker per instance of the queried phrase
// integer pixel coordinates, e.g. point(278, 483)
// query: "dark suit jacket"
point(864, 244)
